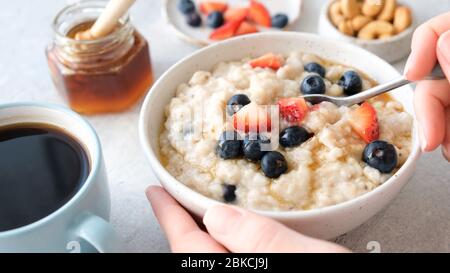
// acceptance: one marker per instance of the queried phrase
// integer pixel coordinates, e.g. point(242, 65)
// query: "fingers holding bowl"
point(242, 231)
point(183, 233)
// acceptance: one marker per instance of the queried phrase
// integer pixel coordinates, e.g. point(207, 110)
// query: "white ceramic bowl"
point(324, 223)
point(391, 49)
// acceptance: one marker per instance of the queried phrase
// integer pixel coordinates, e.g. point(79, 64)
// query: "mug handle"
point(97, 232)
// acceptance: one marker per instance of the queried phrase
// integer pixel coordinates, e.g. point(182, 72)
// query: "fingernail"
point(222, 219)
point(408, 67)
point(444, 45)
point(422, 139)
point(150, 190)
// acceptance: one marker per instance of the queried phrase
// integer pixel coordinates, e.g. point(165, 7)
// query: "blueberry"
point(273, 164)
point(193, 19)
point(315, 68)
point(280, 20)
point(254, 148)
point(229, 193)
point(229, 145)
point(294, 136)
point(380, 155)
point(313, 84)
point(351, 83)
point(186, 6)
point(236, 102)
point(215, 19)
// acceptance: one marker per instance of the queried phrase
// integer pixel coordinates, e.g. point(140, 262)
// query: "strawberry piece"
point(206, 7)
point(315, 107)
point(259, 14)
point(252, 118)
point(364, 122)
point(293, 110)
point(235, 14)
point(269, 60)
point(226, 31)
point(246, 28)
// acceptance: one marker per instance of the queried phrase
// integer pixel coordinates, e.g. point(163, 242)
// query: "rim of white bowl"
point(183, 36)
point(205, 202)
point(397, 37)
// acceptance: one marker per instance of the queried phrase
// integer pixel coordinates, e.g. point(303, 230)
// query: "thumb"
point(443, 52)
point(243, 231)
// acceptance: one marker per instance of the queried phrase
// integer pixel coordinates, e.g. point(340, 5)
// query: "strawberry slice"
point(259, 14)
point(226, 31)
point(315, 107)
point(246, 28)
point(235, 14)
point(252, 118)
point(206, 7)
point(293, 110)
point(364, 122)
point(269, 60)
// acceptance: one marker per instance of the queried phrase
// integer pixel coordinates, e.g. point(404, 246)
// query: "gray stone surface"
point(418, 220)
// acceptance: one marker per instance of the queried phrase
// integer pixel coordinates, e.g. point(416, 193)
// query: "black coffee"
point(41, 168)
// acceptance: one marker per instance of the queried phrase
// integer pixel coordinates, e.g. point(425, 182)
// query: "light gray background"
point(418, 220)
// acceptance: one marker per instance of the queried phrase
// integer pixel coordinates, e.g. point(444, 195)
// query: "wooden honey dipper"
point(107, 20)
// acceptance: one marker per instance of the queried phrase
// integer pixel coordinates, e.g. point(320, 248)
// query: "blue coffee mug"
point(81, 225)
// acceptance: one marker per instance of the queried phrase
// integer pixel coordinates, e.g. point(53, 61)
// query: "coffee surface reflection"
point(41, 169)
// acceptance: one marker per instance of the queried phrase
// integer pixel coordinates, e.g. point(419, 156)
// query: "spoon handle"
point(377, 90)
point(109, 17)
point(436, 74)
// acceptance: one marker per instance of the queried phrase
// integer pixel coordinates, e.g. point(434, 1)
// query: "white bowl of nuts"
point(384, 27)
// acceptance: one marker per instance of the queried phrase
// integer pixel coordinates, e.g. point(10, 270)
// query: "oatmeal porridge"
point(243, 134)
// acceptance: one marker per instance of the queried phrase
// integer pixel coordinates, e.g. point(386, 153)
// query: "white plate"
point(199, 36)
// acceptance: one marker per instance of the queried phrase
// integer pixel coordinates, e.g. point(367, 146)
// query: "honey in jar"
point(108, 74)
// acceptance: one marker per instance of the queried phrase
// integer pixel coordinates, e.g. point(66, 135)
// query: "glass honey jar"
point(108, 74)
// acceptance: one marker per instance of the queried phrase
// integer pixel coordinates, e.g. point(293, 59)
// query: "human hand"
point(230, 229)
point(431, 43)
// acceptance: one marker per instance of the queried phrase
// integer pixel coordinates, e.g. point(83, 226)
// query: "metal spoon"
point(436, 74)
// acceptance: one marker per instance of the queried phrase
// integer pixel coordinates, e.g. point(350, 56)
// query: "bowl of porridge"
point(228, 124)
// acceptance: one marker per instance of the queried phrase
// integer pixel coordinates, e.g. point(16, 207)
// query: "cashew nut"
point(385, 36)
point(375, 29)
point(360, 4)
point(346, 27)
point(387, 13)
point(402, 19)
point(350, 8)
point(360, 21)
point(372, 7)
point(370, 19)
point(336, 15)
